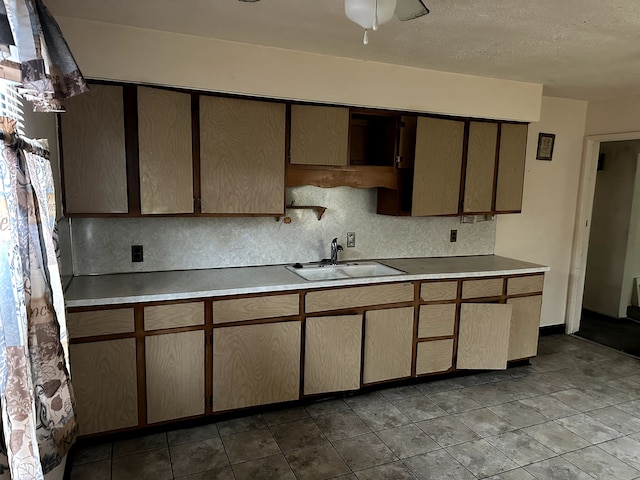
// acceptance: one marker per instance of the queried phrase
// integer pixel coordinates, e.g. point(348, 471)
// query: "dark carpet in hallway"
point(620, 333)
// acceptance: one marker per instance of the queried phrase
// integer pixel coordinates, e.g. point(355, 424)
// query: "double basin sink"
point(317, 271)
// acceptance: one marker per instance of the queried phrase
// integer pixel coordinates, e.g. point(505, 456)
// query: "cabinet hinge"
point(400, 125)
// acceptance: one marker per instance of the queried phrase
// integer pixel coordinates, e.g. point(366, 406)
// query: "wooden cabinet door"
point(483, 336)
point(332, 353)
point(525, 326)
point(388, 344)
point(438, 167)
point(319, 135)
point(481, 164)
point(434, 356)
point(513, 150)
point(165, 153)
point(105, 385)
point(175, 375)
point(93, 152)
point(256, 365)
point(242, 156)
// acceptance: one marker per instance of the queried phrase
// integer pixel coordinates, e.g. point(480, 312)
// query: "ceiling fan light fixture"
point(369, 13)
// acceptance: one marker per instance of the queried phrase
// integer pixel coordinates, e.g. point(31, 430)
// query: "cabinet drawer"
point(253, 308)
point(491, 287)
point(437, 320)
point(432, 357)
point(432, 291)
point(529, 284)
point(358, 297)
point(100, 322)
point(173, 316)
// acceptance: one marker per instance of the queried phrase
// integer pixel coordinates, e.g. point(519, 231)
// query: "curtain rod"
point(16, 141)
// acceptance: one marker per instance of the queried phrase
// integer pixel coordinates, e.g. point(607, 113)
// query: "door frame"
point(582, 226)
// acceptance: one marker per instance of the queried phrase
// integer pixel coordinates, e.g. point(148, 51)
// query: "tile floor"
point(574, 413)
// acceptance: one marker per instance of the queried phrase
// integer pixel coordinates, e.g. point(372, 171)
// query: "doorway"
point(584, 209)
point(613, 254)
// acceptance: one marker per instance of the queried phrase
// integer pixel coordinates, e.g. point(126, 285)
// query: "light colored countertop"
point(126, 288)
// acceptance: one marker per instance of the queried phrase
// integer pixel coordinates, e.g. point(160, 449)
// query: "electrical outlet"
point(453, 236)
point(351, 239)
point(137, 253)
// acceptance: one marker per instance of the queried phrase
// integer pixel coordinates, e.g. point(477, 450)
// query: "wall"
point(613, 116)
point(103, 245)
point(116, 52)
point(610, 228)
point(543, 232)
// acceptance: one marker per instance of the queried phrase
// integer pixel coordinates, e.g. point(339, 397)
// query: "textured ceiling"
point(583, 49)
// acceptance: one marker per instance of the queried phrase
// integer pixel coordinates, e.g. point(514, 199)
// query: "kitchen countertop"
point(99, 290)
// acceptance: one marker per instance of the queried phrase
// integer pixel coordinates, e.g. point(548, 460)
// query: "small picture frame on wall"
point(545, 146)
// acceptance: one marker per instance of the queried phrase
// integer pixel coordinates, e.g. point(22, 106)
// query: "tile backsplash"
point(103, 245)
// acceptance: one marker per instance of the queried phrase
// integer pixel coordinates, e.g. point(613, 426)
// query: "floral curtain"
point(38, 410)
point(34, 54)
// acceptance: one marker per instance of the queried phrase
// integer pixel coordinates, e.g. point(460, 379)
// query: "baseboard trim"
point(552, 330)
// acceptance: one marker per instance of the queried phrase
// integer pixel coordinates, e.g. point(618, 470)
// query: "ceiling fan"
point(369, 14)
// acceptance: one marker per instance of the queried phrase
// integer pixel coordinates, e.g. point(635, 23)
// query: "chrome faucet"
point(335, 248)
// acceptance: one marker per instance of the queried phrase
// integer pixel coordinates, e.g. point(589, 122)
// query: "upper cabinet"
point(513, 148)
point(134, 150)
point(481, 165)
point(93, 148)
point(461, 167)
point(319, 135)
point(165, 152)
point(340, 146)
point(242, 154)
point(438, 163)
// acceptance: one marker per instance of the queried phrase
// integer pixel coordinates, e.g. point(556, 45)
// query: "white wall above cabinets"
point(117, 52)
point(103, 245)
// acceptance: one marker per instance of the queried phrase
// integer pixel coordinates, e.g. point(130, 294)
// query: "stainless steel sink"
point(315, 271)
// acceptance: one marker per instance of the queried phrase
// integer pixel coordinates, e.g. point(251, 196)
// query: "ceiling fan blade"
point(410, 9)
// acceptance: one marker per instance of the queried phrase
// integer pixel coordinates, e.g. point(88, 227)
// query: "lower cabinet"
point(332, 355)
point(525, 326)
point(352, 336)
point(387, 344)
point(175, 375)
point(105, 384)
point(256, 365)
point(483, 336)
point(434, 356)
